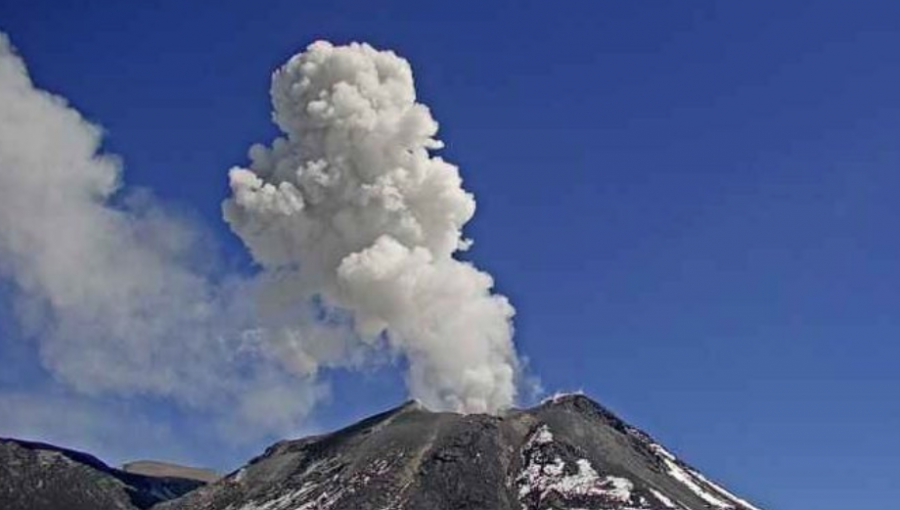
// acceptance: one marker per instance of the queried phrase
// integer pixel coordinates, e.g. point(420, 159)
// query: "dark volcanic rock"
point(36, 476)
point(567, 453)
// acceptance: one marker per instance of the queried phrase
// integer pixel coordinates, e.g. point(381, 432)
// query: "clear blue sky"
point(693, 205)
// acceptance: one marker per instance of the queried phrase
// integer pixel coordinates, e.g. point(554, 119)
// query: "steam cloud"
point(353, 224)
point(110, 282)
point(350, 208)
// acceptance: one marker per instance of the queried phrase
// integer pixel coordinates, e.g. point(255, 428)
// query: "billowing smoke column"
point(350, 211)
point(355, 227)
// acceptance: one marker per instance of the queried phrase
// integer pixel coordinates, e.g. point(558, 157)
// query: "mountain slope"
point(568, 453)
point(37, 476)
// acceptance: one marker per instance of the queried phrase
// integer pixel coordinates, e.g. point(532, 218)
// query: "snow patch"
point(541, 436)
point(662, 452)
point(549, 478)
point(560, 395)
point(698, 484)
point(295, 500)
point(662, 498)
point(676, 472)
point(722, 491)
point(542, 477)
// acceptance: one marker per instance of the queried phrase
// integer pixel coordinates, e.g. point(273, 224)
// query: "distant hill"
point(157, 469)
point(38, 476)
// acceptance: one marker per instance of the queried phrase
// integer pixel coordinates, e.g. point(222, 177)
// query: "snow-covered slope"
point(567, 453)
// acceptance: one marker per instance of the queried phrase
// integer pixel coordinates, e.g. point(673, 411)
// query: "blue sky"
point(691, 205)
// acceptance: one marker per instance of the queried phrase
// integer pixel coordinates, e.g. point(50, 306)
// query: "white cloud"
point(354, 224)
point(86, 425)
point(350, 207)
point(116, 294)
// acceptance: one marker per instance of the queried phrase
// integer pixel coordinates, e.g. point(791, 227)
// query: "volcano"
point(567, 453)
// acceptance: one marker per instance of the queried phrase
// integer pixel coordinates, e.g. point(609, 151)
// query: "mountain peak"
point(576, 400)
point(568, 452)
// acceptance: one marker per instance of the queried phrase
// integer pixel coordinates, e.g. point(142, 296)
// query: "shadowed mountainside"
point(38, 476)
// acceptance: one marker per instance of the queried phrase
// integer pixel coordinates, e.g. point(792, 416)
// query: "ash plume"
point(353, 223)
point(349, 208)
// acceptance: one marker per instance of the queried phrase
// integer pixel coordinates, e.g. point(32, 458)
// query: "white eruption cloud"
point(112, 285)
point(354, 224)
point(349, 209)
